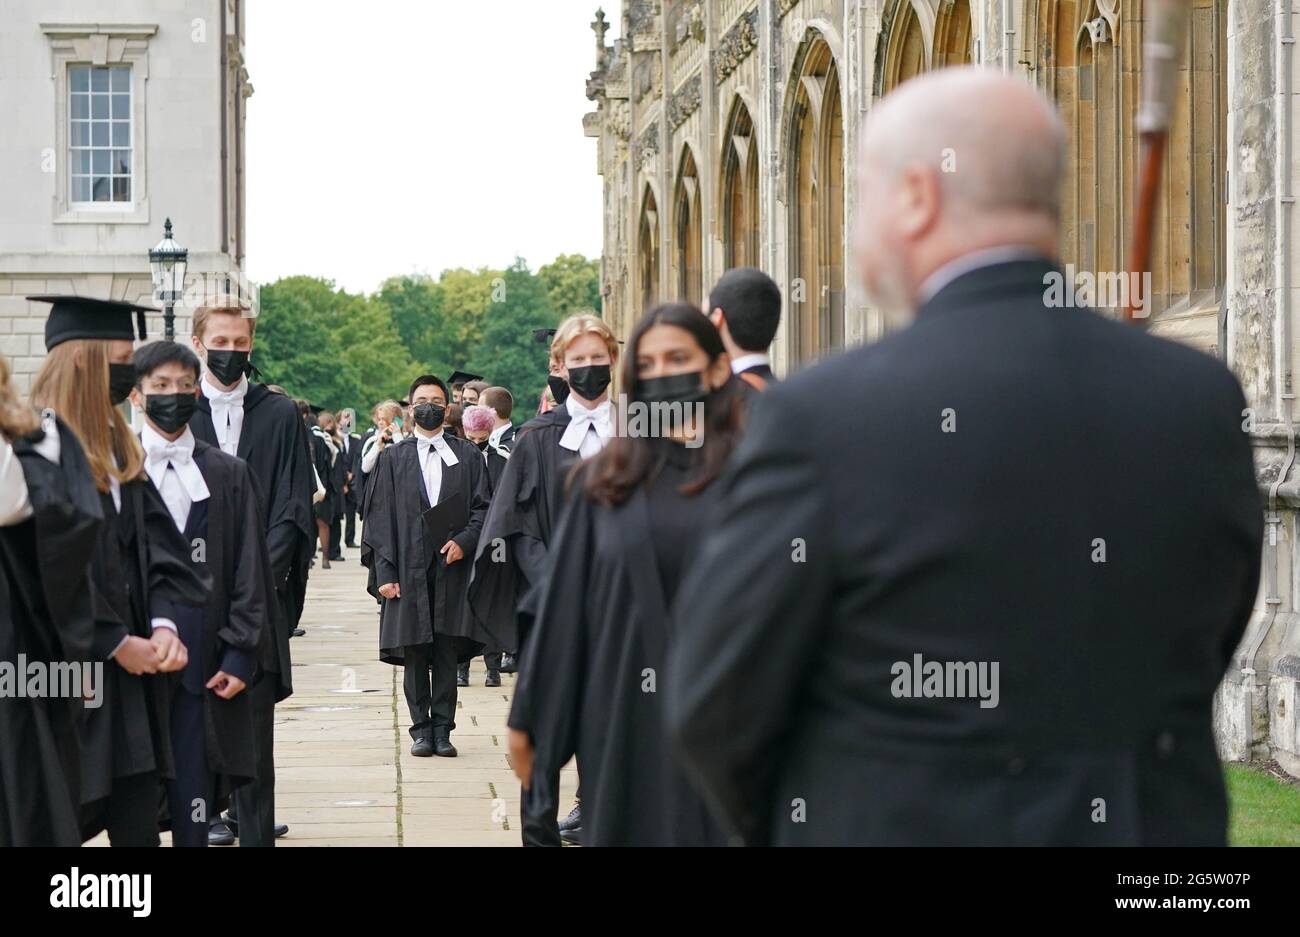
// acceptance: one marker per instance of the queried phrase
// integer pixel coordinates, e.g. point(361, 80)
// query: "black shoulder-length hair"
point(628, 461)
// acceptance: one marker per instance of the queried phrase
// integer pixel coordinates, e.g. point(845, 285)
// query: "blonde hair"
point(16, 418)
point(73, 382)
point(388, 410)
point(583, 323)
point(204, 313)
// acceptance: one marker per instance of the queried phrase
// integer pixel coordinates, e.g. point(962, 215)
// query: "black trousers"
point(336, 537)
point(130, 811)
point(191, 796)
point(253, 805)
point(429, 679)
point(350, 522)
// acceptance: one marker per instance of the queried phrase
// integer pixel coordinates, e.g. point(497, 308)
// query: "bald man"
point(998, 610)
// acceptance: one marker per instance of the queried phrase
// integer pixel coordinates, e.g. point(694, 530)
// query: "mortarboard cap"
point(463, 377)
point(82, 317)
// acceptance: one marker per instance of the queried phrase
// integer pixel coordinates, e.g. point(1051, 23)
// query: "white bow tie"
point(440, 445)
point(181, 458)
point(599, 418)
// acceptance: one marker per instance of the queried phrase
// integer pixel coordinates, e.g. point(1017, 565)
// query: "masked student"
point(263, 428)
point(50, 516)
point(520, 526)
point(212, 499)
point(425, 503)
point(480, 423)
point(140, 571)
point(603, 617)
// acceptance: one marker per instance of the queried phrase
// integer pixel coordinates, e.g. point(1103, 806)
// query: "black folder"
point(446, 518)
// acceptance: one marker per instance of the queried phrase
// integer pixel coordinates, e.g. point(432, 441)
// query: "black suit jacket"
point(1041, 489)
point(761, 370)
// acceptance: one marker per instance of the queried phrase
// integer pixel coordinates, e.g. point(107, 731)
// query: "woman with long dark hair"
point(599, 644)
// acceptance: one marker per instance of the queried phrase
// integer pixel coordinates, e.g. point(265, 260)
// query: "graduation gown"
point(273, 441)
point(396, 548)
point(236, 614)
point(45, 615)
point(140, 570)
point(525, 508)
point(325, 461)
point(603, 623)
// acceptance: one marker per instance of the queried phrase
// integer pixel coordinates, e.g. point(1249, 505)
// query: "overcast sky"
point(399, 136)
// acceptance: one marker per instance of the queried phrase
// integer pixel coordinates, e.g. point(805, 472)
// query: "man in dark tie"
point(745, 305)
point(350, 453)
point(997, 611)
point(264, 429)
point(212, 499)
point(421, 572)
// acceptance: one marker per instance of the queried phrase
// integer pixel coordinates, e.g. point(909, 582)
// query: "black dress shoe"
point(508, 663)
point(297, 632)
point(462, 675)
point(422, 748)
point(442, 746)
point(350, 546)
point(573, 821)
point(281, 829)
point(493, 678)
point(572, 836)
point(220, 834)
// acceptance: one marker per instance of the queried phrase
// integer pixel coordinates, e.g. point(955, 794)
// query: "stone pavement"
point(344, 772)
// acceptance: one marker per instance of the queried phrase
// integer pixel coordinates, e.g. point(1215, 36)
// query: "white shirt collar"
point(160, 453)
point(974, 260)
point(438, 442)
point(215, 393)
point(494, 437)
point(599, 418)
point(747, 361)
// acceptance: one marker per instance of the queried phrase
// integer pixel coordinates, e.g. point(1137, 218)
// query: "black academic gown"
point(140, 571)
point(273, 441)
point(234, 619)
point(45, 615)
point(325, 461)
point(396, 547)
point(358, 476)
point(526, 504)
point(603, 624)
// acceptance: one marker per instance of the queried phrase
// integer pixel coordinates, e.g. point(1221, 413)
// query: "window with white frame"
point(99, 134)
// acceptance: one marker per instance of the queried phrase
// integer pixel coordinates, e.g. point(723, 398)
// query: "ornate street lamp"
point(167, 260)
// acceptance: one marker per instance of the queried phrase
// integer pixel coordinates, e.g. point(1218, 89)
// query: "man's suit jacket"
point(1043, 490)
point(763, 371)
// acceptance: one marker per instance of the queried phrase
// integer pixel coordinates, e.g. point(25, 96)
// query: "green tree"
point(296, 344)
point(506, 352)
point(572, 283)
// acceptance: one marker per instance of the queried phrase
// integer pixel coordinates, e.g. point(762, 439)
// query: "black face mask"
point(482, 445)
point(227, 366)
point(169, 411)
point(559, 388)
point(589, 382)
point(674, 388)
point(429, 415)
point(121, 378)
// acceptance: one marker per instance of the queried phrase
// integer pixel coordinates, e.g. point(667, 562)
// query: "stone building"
point(726, 134)
point(118, 115)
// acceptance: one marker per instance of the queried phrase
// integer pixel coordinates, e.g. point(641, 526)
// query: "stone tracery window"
point(689, 242)
point(1087, 56)
point(815, 196)
point(648, 250)
point(740, 190)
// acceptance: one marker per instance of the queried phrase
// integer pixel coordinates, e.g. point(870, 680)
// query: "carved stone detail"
point(735, 46)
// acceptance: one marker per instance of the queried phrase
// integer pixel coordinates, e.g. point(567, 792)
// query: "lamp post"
point(167, 261)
